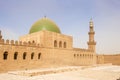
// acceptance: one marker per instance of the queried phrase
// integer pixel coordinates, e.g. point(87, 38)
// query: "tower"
point(0, 35)
point(91, 43)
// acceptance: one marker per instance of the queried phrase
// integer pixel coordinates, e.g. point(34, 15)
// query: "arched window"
point(29, 42)
point(77, 54)
point(83, 55)
point(60, 44)
point(24, 55)
point(15, 55)
point(80, 55)
point(74, 55)
point(64, 44)
point(55, 43)
point(91, 56)
point(5, 55)
point(39, 55)
point(33, 41)
point(88, 55)
point(32, 55)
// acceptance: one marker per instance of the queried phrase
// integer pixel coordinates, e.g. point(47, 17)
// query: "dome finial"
point(44, 16)
point(91, 19)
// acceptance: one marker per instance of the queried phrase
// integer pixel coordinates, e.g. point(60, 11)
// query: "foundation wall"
point(49, 57)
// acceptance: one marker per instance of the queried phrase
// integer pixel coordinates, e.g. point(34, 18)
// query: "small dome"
point(44, 24)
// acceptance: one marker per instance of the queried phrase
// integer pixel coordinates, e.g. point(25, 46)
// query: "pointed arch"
point(24, 55)
point(74, 55)
point(15, 55)
point(39, 55)
point(5, 55)
point(55, 43)
point(32, 55)
point(60, 44)
point(33, 41)
point(64, 44)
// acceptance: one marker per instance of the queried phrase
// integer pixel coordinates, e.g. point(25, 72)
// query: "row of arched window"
point(83, 55)
point(31, 42)
point(15, 57)
point(60, 44)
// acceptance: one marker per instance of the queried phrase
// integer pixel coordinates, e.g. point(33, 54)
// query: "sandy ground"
point(67, 73)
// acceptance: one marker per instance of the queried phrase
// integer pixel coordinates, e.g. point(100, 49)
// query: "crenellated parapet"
point(82, 49)
point(12, 42)
point(17, 43)
point(2, 41)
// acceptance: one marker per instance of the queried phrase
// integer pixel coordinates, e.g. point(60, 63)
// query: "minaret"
point(91, 43)
point(0, 35)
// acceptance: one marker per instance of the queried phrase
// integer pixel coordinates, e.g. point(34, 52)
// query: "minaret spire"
point(91, 42)
point(44, 16)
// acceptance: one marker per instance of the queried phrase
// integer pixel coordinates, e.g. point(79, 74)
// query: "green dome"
point(44, 24)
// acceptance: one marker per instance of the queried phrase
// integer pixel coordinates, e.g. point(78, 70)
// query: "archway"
point(5, 55)
point(24, 55)
point(15, 55)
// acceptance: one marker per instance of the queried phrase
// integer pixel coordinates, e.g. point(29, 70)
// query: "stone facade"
point(45, 49)
point(49, 39)
point(32, 54)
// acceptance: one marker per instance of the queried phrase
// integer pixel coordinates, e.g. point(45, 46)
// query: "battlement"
point(81, 49)
point(16, 43)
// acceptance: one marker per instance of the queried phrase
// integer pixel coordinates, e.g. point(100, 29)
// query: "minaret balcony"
point(91, 33)
point(91, 43)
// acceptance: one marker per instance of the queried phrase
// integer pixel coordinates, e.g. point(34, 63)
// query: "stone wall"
point(11, 55)
point(84, 57)
point(100, 59)
point(105, 59)
point(46, 39)
point(38, 57)
point(29, 53)
point(114, 59)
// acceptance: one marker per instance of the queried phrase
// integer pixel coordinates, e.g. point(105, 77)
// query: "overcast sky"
point(72, 17)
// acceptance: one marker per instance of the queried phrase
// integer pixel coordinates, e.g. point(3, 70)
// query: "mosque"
point(46, 46)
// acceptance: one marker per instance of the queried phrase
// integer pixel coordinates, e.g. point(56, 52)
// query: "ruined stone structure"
point(45, 46)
